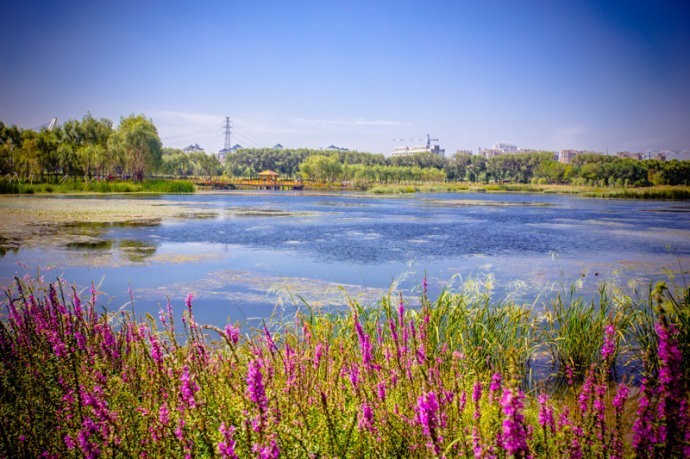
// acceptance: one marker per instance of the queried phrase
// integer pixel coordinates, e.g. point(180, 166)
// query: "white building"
point(505, 147)
point(566, 156)
point(407, 151)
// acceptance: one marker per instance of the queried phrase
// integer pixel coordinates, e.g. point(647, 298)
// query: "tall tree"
point(136, 138)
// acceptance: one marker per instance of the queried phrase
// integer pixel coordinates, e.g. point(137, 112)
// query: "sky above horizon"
point(364, 75)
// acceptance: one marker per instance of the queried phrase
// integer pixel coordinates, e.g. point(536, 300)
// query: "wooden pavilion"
point(268, 176)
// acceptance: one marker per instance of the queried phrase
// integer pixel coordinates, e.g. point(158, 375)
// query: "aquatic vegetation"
point(448, 377)
point(98, 186)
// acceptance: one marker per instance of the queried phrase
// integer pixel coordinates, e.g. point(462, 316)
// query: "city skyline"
point(601, 76)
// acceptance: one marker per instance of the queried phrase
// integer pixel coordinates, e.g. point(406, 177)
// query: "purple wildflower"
point(586, 391)
point(156, 352)
point(514, 430)
point(226, 447)
point(381, 390)
point(267, 452)
point(477, 443)
point(232, 333)
point(672, 404)
point(401, 315)
point(354, 376)
point(366, 418)
point(462, 401)
point(495, 386)
point(269, 340)
point(84, 438)
point(476, 396)
point(570, 374)
point(546, 413)
point(643, 426)
point(609, 347)
point(188, 388)
point(318, 353)
point(163, 414)
point(364, 345)
point(257, 392)
point(427, 415)
point(620, 398)
point(69, 443)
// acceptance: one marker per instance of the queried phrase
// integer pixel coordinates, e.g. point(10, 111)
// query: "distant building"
point(463, 152)
point(277, 146)
point(566, 156)
point(505, 147)
point(428, 148)
point(223, 152)
point(408, 151)
point(497, 150)
point(490, 152)
point(627, 154)
point(659, 155)
point(192, 148)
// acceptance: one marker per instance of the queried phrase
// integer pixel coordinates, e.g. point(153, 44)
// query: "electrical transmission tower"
point(228, 145)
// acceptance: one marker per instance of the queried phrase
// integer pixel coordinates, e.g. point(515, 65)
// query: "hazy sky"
point(539, 74)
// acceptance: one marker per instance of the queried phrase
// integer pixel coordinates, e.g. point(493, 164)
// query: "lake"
point(247, 256)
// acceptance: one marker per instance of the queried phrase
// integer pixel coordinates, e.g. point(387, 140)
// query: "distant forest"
point(92, 149)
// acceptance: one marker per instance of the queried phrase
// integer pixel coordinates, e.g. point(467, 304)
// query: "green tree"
point(136, 139)
point(320, 167)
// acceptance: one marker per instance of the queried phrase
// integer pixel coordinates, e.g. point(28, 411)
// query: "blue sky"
point(539, 74)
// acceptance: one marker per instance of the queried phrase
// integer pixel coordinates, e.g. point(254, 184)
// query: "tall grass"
point(97, 186)
point(447, 378)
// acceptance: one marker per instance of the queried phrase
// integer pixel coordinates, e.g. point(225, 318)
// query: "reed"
point(97, 186)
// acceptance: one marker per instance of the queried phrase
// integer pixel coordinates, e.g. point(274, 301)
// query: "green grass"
point(95, 186)
point(676, 193)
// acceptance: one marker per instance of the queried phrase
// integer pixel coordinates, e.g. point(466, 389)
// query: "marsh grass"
point(445, 377)
point(668, 193)
point(97, 186)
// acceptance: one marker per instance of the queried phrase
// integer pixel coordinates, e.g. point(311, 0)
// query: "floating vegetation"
point(198, 215)
point(266, 212)
point(48, 220)
point(89, 243)
point(482, 203)
point(136, 251)
point(8, 245)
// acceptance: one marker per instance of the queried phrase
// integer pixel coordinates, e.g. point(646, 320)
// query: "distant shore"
point(170, 186)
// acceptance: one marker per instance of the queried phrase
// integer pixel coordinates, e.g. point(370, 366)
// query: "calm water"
point(253, 254)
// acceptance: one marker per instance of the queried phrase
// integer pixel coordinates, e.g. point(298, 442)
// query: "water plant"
point(447, 377)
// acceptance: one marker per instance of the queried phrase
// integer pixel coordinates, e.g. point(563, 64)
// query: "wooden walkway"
point(247, 184)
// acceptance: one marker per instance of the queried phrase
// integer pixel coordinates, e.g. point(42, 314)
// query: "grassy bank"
point(660, 192)
point(450, 378)
point(95, 186)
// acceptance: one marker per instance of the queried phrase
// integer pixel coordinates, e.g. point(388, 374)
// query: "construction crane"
point(429, 140)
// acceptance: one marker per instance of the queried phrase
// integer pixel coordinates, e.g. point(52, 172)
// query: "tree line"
point(92, 148)
point(537, 167)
